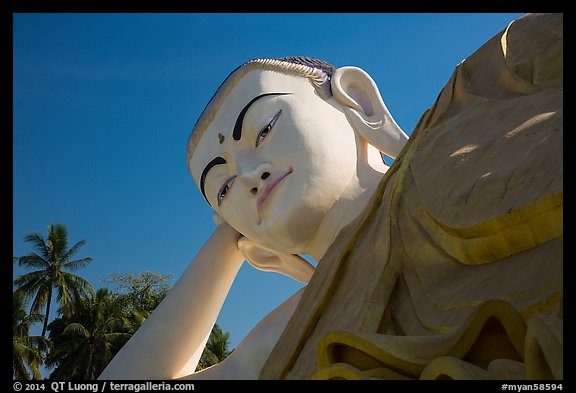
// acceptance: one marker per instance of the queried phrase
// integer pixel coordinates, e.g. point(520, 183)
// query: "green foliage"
point(27, 351)
point(140, 293)
point(52, 259)
point(91, 327)
point(86, 339)
point(216, 349)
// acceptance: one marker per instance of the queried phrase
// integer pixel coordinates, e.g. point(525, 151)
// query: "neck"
point(357, 195)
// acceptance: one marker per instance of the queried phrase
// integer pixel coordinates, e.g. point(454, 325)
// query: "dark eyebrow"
point(237, 133)
point(214, 162)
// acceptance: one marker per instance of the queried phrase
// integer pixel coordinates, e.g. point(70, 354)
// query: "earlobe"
point(265, 259)
point(357, 92)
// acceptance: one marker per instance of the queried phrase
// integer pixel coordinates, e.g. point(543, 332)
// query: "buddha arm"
point(169, 343)
point(248, 358)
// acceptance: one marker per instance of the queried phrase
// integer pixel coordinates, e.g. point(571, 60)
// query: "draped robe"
point(455, 267)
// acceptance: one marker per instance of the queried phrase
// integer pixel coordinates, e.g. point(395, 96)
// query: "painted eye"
point(268, 128)
point(224, 190)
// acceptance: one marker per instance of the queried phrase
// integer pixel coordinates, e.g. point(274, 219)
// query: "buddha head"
point(284, 148)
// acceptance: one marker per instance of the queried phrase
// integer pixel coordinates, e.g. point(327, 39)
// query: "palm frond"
point(33, 260)
point(27, 354)
point(42, 294)
point(58, 238)
point(42, 343)
point(39, 244)
point(19, 370)
point(24, 322)
point(37, 285)
point(68, 359)
point(70, 288)
point(72, 250)
point(29, 283)
point(69, 346)
point(80, 284)
point(208, 358)
point(77, 264)
point(76, 328)
point(35, 276)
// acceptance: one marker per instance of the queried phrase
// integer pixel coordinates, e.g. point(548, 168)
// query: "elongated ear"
point(358, 93)
point(263, 258)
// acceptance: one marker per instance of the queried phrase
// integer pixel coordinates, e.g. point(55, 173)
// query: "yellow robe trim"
point(494, 343)
point(500, 237)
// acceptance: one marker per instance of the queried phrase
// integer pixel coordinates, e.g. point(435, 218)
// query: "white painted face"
point(294, 158)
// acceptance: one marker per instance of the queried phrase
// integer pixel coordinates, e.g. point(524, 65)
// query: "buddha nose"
point(263, 176)
point(255, 180)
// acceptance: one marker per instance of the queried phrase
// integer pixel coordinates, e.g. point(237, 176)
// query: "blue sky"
point(104, 104)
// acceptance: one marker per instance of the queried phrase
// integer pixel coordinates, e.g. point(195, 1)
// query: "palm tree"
point(216, 349)
point(27, 351)
point(86, 339)
point(52, 258)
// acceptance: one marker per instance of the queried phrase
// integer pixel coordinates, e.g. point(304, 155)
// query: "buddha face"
point(275, 159)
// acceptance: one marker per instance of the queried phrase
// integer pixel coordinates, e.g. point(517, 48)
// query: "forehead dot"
point(220, 138)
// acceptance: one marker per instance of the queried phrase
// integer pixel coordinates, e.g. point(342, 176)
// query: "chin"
point(291, 229)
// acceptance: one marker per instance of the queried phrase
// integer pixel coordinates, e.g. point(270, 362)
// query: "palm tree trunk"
point(88, 373)
point(47, 314)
